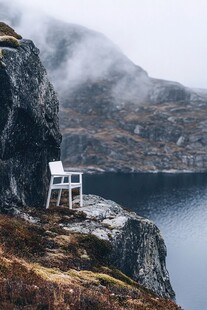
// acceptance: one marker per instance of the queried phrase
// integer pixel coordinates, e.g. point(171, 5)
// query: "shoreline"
point(94, 170)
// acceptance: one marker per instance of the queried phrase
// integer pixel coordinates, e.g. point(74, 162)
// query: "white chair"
point(58, 173)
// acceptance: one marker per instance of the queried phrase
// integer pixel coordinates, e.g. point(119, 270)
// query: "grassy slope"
point(45, 267)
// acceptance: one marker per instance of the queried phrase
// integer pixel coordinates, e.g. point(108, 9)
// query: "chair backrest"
point(56, 167)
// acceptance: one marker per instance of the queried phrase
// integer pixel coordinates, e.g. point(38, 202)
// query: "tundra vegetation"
point(43, 266)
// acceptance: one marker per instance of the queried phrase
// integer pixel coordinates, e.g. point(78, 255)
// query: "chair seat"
point(65, 185)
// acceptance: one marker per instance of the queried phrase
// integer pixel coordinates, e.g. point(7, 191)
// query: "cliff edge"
point(137, 247)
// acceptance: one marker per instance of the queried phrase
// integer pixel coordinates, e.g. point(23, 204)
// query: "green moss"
point(115, 273)
point(9, 41)
point(7, 30)
point(105, 279)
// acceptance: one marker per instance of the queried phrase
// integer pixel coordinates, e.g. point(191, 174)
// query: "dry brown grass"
point(9, 41)
point(8, 31)
point(41, 268)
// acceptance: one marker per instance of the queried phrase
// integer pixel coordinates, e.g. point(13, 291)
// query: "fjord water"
point(177, 203)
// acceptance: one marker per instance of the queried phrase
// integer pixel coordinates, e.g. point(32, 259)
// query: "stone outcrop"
point(29, 130)
point(138, 248)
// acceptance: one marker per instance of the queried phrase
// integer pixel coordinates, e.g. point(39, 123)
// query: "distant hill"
point(113, 116)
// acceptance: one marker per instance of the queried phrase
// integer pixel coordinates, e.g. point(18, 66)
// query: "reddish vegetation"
point(44, 267)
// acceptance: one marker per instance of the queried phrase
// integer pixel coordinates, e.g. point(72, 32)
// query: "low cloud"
point(75, 55)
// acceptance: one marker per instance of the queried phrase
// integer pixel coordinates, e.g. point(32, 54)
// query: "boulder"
point(29, 130)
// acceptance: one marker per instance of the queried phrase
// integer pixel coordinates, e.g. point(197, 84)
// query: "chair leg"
point(81, 196)
point(48, 198)
point(70, 198)
point(49, 192)
point(60, 192)
point(59, 196)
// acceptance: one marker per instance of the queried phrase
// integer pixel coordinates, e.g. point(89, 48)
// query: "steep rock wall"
point(29, 131)
point(137, 247)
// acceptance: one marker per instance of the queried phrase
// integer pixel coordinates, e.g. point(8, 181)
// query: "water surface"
point(177, 203)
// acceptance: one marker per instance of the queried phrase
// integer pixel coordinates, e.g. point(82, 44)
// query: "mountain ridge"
point(113, 116)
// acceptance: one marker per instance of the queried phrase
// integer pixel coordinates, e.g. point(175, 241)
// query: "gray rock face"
point(138, 248)
point(29, 131)
point(167, 91)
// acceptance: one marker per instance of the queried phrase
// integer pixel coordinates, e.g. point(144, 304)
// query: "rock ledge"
point(138, 248)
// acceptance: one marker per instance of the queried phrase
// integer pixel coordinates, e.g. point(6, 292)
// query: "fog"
point(165, 38)
point(74, 55)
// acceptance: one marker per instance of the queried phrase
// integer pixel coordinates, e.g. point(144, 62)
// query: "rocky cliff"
point(29, 130)
point(137, 247)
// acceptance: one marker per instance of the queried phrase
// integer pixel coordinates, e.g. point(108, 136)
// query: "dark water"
point(177, 203)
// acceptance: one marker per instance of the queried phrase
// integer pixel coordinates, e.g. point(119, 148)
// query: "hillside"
point(113, 116)
point(43, 266)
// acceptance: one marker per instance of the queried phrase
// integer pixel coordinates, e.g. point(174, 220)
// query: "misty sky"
point(167, 38)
